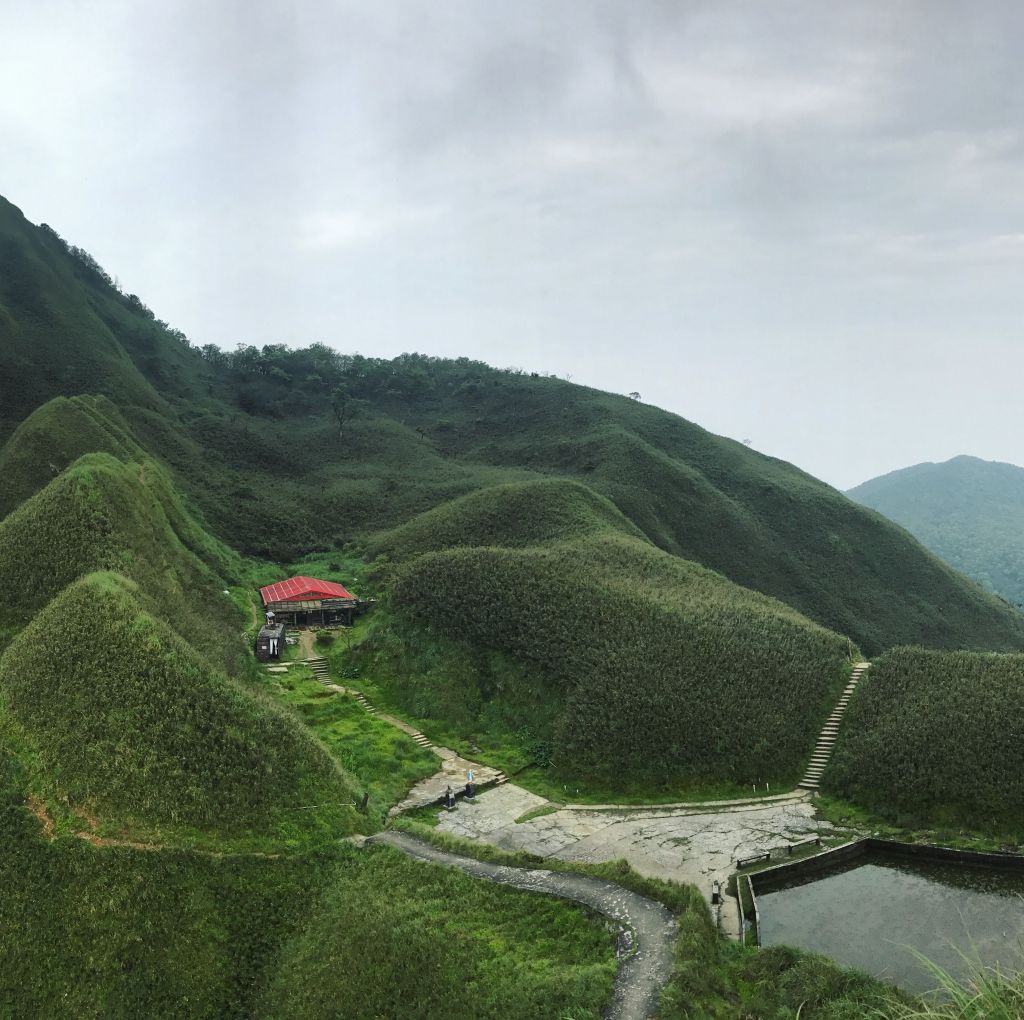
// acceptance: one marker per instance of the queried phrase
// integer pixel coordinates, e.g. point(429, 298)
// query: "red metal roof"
point(303, 588)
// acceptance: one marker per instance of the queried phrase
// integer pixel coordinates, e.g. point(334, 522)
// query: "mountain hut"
point(309, 602)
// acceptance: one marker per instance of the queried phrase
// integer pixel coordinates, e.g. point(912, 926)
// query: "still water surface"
point(865, 913)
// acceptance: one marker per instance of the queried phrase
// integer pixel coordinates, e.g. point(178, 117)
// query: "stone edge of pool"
point(768, 878)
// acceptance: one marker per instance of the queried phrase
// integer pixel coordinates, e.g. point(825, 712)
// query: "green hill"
point(102, 514)
point(967, 511)
point(513, 515)
point(936, 738)
point(286, 451)
point(53, 437)
point(635, 665)
point(57, 311)
point(126, 720)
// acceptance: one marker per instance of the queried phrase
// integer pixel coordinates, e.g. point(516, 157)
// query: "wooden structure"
point(270, 642)
point(309, 602)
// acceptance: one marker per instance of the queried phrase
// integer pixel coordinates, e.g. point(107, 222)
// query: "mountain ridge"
point(967, 510)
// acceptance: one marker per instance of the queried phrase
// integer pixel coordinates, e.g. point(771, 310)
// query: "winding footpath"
point(651, 928)
point(453, 768)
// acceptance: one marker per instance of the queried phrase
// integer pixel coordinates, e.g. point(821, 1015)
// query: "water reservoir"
point(866, 912)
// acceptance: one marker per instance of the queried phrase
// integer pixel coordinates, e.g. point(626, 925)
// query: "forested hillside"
point(285, 450)
point(967, 511)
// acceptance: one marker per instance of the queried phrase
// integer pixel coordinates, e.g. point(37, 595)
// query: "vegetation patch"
point(638, 664)
point(383, 760)
point(394, 937)
point(936, 738)
point(127, 721)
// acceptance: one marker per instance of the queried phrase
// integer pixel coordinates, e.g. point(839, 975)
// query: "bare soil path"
point(651, 929)
point(306, 639)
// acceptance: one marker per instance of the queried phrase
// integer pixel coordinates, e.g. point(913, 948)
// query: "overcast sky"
point(798, 223)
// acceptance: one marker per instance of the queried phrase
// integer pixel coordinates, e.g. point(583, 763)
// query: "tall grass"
point(987, 994)
point(936, 737)
point(125, 720)
point(640, 664)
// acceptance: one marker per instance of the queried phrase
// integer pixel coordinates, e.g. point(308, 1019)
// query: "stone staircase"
point(319, 667)
point(489, 777)
point(827, 741)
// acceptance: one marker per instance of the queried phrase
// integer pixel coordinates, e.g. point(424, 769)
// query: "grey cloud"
point(758, 215)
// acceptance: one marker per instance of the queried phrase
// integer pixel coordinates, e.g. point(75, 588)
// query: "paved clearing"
point(697, 845)
point(453, 773)
point(642, 972)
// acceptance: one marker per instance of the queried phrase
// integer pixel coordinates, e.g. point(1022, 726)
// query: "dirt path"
point(642, 973)
point(89, 835)
point(306, 646)
point(454, 770)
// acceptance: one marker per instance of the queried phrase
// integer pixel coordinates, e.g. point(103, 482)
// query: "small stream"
point(865, 914)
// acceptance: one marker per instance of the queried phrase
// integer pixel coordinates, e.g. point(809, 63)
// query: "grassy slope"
point(937, 738)
point(121, 718)
point(968, 511)
point(102, 514)
point(434, 943)
point(384, 760)
point(428, 431)
point(49, 316)
point(632, 662)
point(53, 437)
point(183, 934)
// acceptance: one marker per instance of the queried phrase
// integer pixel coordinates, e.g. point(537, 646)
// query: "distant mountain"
point(968, 511)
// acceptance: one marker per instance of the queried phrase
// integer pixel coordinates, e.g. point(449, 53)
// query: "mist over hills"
point(968, 511)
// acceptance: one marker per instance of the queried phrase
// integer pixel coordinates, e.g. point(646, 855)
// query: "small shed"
point(309, 602)
point(270, 642)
